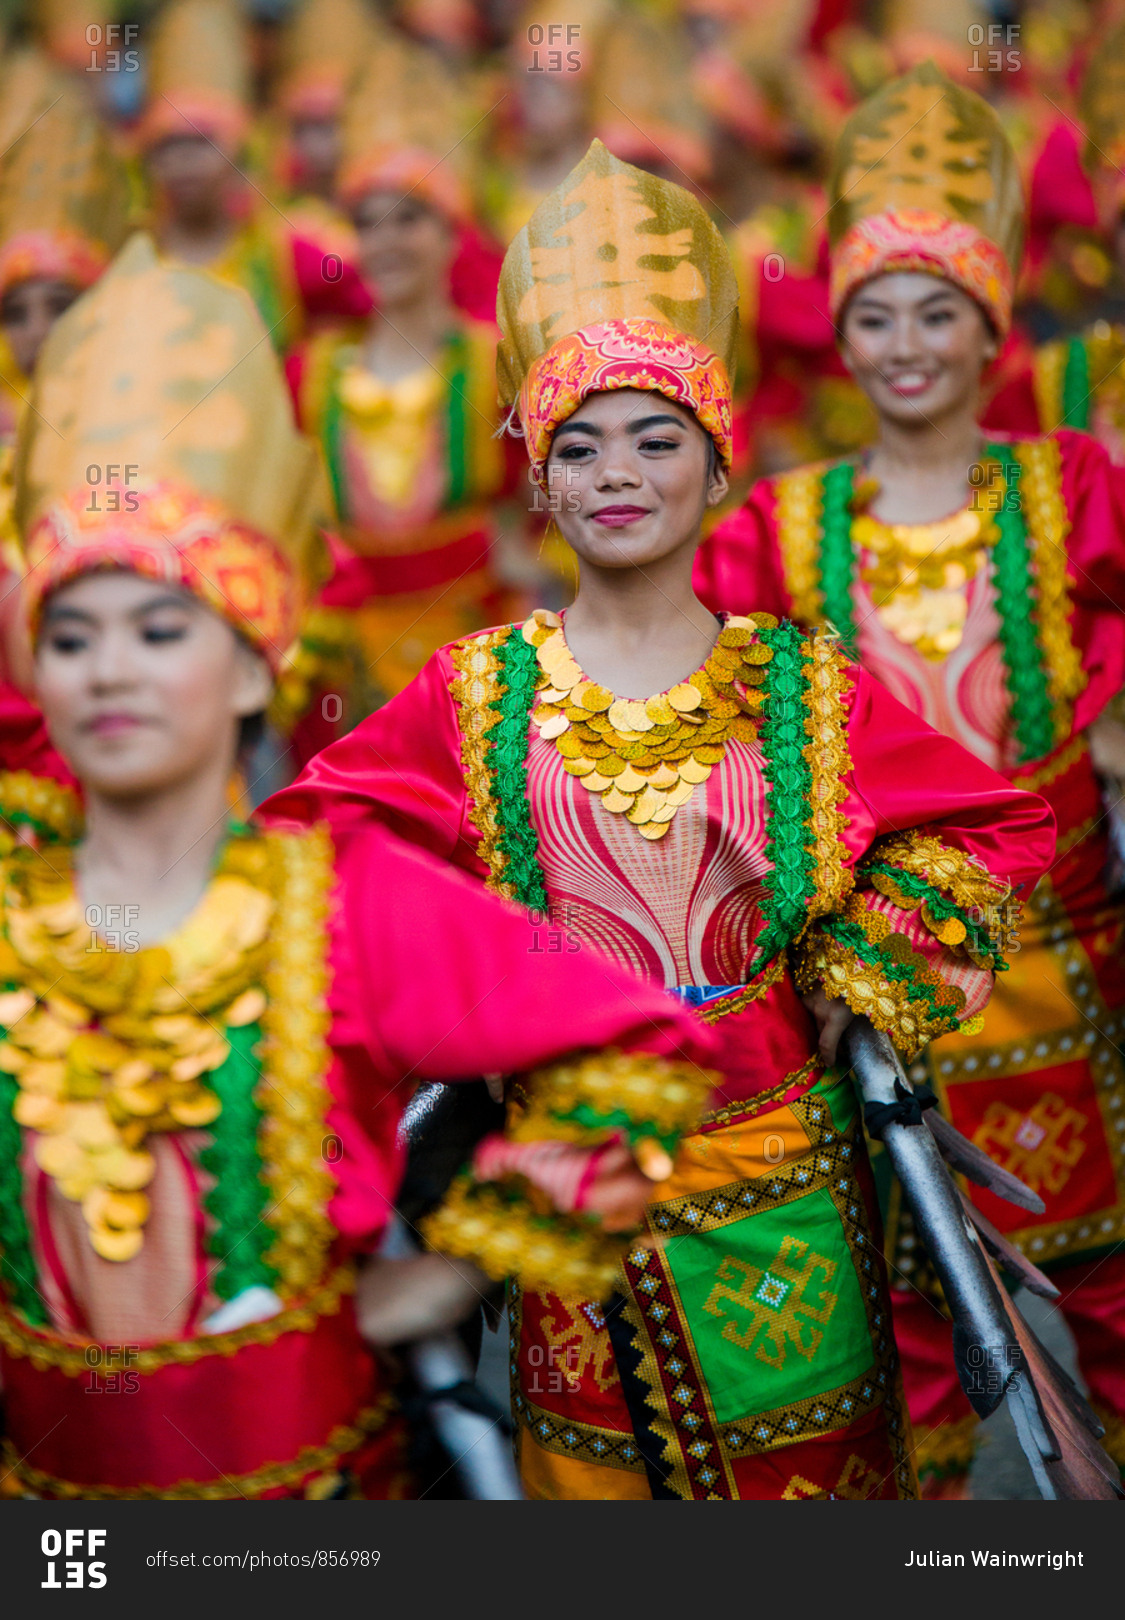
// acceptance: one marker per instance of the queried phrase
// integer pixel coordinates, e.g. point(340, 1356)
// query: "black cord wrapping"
point(907, 1109)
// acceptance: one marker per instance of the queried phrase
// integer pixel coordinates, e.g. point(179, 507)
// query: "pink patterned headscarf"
point(918, 239)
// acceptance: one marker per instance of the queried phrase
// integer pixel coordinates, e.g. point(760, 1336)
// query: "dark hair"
point(251, 730)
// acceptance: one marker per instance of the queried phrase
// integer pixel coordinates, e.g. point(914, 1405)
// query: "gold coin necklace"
point(644, 758)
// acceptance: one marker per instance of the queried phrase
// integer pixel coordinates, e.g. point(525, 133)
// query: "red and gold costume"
point(197, 1137)
point(775, 822)
point(416, 465)
point(1001, 627)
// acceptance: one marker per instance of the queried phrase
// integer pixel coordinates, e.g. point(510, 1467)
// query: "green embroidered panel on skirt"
point(763, 1320)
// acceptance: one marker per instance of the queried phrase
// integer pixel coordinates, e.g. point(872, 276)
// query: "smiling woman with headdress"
point(709, 801)
point(981, 579)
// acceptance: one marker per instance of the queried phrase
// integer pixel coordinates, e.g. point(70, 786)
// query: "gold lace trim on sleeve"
point(829, 679)
point(1048, 525)
point(799, 503)
point(475, 687)
point(48, 805)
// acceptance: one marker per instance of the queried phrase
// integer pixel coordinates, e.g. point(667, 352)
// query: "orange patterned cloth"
point(921, 239)
point(637, 353)
point(172, 534)
point(54, 255)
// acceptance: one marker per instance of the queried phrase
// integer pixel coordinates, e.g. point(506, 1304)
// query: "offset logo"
point(80, 1567)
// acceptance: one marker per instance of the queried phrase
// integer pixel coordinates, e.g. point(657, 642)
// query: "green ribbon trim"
point(852, 937)
point(942, 907)
point(1076, 386)
point(837, 555)
point(1032, 719)
point(17, 1267)
point(332, 438)
point(456, 368)
point(790, 883)
point(237, 1202)
point(617, 1119)
point(507, 759)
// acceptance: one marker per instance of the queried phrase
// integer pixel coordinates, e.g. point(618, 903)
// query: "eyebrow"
point(54, 614)
point(869, 301)
point(642, 425)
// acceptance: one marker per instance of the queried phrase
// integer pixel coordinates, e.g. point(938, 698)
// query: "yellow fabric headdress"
point(618, 280)
point(160, 438)
point(29, 83)
point(406, 129)
point(198, 74)
point(644, 108)
point(64, 197)
point(74, 31)
point(1103, 114)
point(323, 48)
point(926, 179)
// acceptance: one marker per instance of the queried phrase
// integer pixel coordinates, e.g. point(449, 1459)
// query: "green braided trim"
point(332, 438)
point(790, 883)
point(237, 1202)
point(456, 368)
point(920, 889)
point(507, 758)
point(1032, 720)
point(837, 555)
point(17, 1268)
point(263, 289)
point(1076, 386)
point(852, 937)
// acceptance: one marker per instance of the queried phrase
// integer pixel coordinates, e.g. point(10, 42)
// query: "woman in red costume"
point(404, 403)
point(210, 1032)
point(1001, 625)
point(738, 837)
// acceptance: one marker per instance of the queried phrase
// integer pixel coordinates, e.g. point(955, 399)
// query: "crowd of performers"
point(644, 490)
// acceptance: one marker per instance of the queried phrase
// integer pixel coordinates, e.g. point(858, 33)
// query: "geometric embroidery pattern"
point(1041, 1147)
point(775, 1302)
point(696, 1446)
point(581, 1440)
point(857, 1483)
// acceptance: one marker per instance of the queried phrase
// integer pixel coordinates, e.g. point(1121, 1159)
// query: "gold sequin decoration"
point(829, 760)
point(108, 1046)
point(475, 685)
point(800, 502)
point(644, 758)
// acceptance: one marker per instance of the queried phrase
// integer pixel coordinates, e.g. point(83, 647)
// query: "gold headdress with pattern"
point(160, 439)
point(323, 48)
point(644, 108)
point(64, 197)
point(1103, 114)
point(199, 80)
point(926, 179)
point(618, 280)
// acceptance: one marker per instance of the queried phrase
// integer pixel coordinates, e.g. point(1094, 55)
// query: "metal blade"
point(975, 1164)
point(1008, 1255)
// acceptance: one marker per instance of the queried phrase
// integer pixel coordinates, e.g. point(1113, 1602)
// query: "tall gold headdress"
point(618, 280)
point(161, 439)
point(75, 32)
point(1103, 114)
point(198, 60)
point(407, 129)
point(324, 46)
point(644, 108)
point(64, 197)
point(926, 179)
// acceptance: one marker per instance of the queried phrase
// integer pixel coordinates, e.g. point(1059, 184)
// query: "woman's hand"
point(1107, 747)
point(832, 1019)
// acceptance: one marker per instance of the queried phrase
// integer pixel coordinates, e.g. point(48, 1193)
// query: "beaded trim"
point(498, 1229)
point(342, 1440)
point(639, 1092)
point(828, 678)
point(293, 1091)
point(859, 958)
point(1054, 767)
point(800, 503)
point(475, 689)
point(1048, 525)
